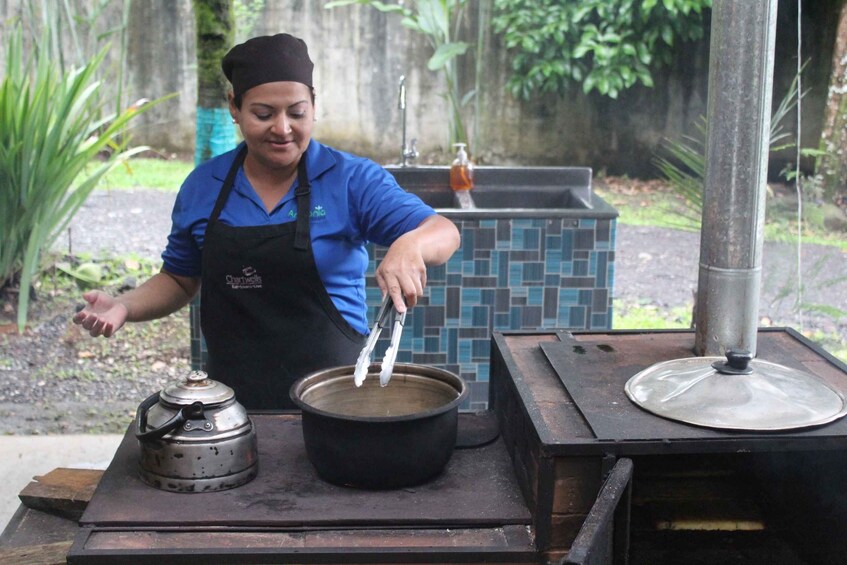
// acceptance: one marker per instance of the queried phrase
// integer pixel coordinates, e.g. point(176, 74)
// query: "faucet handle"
point(410, 153)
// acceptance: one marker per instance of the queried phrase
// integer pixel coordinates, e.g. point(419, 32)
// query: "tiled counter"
point(510, 273)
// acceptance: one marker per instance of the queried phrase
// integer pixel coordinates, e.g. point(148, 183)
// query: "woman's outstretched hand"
point(162, 294)
point(102, 315)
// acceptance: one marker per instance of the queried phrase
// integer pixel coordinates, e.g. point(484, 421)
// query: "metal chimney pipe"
point(732, 234)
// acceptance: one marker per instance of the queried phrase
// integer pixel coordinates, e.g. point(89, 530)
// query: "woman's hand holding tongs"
point(386, 311)
point(401, 275)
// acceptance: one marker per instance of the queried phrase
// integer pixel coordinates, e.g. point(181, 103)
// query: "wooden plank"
point(34, 527)
point(488, 539)
point(504, 545)
point(64, 492)
point(45, 554)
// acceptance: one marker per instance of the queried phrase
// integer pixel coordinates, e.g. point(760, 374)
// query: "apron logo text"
point(248, 279)
point(317, 212)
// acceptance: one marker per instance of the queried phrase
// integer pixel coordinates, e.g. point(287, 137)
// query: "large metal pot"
point(378, 437)
point(195, 437)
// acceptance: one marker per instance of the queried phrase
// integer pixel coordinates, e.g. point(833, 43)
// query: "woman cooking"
point(273, 236)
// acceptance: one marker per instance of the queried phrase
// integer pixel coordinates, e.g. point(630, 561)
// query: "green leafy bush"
point(55, 145)
point(602, 45)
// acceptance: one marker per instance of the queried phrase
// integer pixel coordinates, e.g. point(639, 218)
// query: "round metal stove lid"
point(771, 397)
point(197, 386)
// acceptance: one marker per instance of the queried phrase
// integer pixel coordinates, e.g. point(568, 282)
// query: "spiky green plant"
point(56, 142)
point(684, 165)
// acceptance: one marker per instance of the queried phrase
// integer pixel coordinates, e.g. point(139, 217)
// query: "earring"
point(234, 121)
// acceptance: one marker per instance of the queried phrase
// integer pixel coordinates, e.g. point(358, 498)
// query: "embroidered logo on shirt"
point(247, 279)
point(316, 213)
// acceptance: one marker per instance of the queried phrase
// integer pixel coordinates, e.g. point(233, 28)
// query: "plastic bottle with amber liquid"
point(461, 171)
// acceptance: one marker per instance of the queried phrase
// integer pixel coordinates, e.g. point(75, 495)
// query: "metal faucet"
point(406, 153)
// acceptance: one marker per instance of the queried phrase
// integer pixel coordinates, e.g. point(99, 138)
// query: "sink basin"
point(503, 188)
point(506, 197)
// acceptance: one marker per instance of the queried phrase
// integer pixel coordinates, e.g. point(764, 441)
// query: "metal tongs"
point(363, 362)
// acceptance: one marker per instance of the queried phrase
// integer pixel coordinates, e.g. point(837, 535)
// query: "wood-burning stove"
point(749, 496)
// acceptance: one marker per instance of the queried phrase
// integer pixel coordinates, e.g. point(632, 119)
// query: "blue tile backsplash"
point(509, 274)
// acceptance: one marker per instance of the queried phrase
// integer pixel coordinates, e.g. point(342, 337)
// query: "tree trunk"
point(832, 165)
point(215, 35)
point(215, 133)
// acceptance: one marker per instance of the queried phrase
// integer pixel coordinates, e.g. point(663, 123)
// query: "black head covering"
point(269, 58)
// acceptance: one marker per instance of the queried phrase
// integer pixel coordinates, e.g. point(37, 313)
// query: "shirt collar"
point(318, 160)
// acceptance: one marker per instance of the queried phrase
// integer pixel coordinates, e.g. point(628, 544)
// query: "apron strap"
point(228, 183)
point(302, 237)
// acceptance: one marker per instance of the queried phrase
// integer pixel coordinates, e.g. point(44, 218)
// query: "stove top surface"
point(595, 369)
point(477, 488)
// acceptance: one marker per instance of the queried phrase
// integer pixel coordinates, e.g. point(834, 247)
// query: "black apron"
point(265, 314)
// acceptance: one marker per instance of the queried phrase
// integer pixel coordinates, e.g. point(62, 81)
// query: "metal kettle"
point(195, 437)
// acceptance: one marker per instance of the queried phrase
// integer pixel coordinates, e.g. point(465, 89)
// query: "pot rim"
point(412, 369)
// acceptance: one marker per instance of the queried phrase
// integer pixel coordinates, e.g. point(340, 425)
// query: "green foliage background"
point(56, 142)
point(603, 45)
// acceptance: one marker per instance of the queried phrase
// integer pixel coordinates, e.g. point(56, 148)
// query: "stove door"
point(603, 538)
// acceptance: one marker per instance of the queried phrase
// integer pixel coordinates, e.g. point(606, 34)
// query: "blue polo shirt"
point(354, 201)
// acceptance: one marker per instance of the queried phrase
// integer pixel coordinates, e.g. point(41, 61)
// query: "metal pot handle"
point(192, 411)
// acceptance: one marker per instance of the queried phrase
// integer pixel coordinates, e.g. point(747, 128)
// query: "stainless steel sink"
point(503, 188)
point(520, 197)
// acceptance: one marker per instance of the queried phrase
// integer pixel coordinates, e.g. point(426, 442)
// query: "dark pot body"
point(380, 437)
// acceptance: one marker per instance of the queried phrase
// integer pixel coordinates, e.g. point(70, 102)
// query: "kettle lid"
point(196, 386)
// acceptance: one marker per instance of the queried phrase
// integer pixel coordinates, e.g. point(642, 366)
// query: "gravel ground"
point(121, 222)
point(660, 267)
point(56, 379)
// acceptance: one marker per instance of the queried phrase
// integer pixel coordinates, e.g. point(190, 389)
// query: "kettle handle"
point(192, 411)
